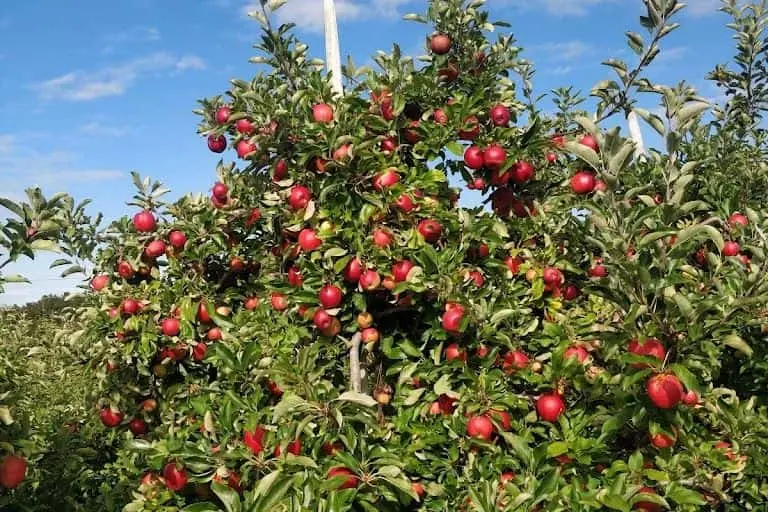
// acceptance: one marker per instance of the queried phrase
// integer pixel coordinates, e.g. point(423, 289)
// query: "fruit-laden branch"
point(354, 363)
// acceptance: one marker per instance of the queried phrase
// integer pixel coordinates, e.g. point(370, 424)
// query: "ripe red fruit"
point(515, 360)
point(473, 157)
point(401, 269)
point(583, 182)
point(451, 320)
point(155, 249)
point(244, 148)
point(322, 113)
point(220, 191)
point(144, 221)
point(440, 44)
point(513, 263)
point(322, 319)
point(551, 157)
point(244, 126)
point(502, 417)
point(664, 390)
point(454, 352)
point(330, 296)
point(308, 240)
point(13, 469)
point(130, 307)
point(251, 303)
point(650, 347)
point(571, 292)
point(576, 351)
point(353, 270)
point(552, 276)
point(405, 203)
point(738, 219)
point(369, 335)
point(370, 280)
point(202, 313)
point(346, 476)
point(294, 448)
point(386, 179)
point(440, 116)
point(198, 353)
point(522, 172)
point(342, 152)
point(138, 426)
point(661, 440)
point(731, 248)
point(280, 171)
point(217, 143)
point(99, 282)
point(549, 407)
point(214, 334)
point(418, 490)
point(170, 327)
point(647, 506)
point(254, 439)
point(480, 427)
point(388, 145)
point(494, 156)
point(175, 477)
point(430, 229)
point(471, 128)
point(589, 141)
point(222, 114)
point(499, 115)
point(691, 398)
point(177, 239)
point(110, 417)
point(382, 238)
point(387, 112)
point(295, 278)
point(278, 301)
point(598, 271)
point(299, 197)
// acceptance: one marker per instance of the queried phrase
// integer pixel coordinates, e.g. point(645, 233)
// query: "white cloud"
point(101, 129)
point(112, 80)
point(672, 54)
point(703, 7)
point(308, 14)
point(564, 51)
point(561, 7)
point(134, 35)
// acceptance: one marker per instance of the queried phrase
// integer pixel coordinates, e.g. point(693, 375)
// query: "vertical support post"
point(635, 134)
point(332, 52)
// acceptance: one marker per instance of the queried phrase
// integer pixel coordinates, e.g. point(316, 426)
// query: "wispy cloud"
point(112, 80)
point(98, 128)
point(139, 34)
point(561, 7)
point(563, 50)
point(703, 7)
point(308, 14)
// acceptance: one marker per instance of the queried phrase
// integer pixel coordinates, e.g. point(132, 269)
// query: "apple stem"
point(332, 53)
point(354, 363)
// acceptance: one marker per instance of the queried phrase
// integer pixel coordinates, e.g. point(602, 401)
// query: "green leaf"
point(588, 155)
point(700, 231)
point(557, 448)
point(737, 342)
point(501, 315)
point(45, 245)
point(455, 148)
point(228, 496)
point(613, 501)
point(686, 377)
point(683, 496)
point(266, 483)
point(14, 278)
point(10, 205)
point(691, 110)
point(289, 402)
point(357, 398)
point(201, 507)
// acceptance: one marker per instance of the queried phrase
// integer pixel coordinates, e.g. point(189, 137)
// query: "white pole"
point(332, 53)
point(635, 134)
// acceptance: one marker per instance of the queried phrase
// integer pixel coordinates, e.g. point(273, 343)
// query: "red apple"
point(661, 440)
point(552, 276)
point(513, 263)
point(202, 313)
point(322, 113)
point(589, 141)
point(388, 145)
point(99, 282)
point(251, 303)
point(214, 334)
point(245, 148)
point(473, 157)
point(346, 477)
point(254, 439)
point(322, 319)
point(198, 353)
point(279, 301)
point(440, 44)
point(130, 307)
point(125, 270)
point(451, 320)
point(405, 203)
point(583, 182)
point(494, 156)
point(549, 407)
point(244, 126)
point(222, 114)
point(177, 239)
point(665, 390)
point(571, 292)
point(330, 296)
point(170, 327)
point(731, 248)
point(353, 270)
point(220, 191)
point(387, 179)
point(382, 238)
point(144, 221)
point(738, 219)
point(155, 249)
point(308, 240)
point(430, 229)
point(175, 476)
point(418, 490)
point(217, 143)
point(454, 352)
point(299, 197)
point(471, 128)
point(369, 335)
point(522, 172)
point(440, 116)
point(551, 157)
point(280, 172)
point(499, 115)
point(515, 360)
point(480, 427)
point(650, 347)
point(576, 351)
point(342, 152)
point(110, 417)
point(477, 277)
point(647, 506)
point(370, 280)
point(691, 398)
point(295, 278)
point(13, 470)
point(598, 271)
point(502, 417)
point(401, 269)
point(138, 426)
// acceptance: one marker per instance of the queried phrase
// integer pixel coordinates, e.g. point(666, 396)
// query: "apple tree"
point(328, 329)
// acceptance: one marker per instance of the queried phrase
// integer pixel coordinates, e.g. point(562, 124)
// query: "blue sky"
point(92, 90)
